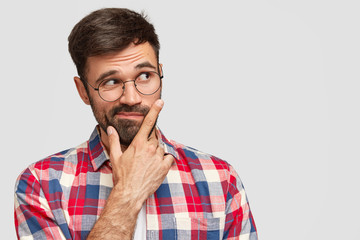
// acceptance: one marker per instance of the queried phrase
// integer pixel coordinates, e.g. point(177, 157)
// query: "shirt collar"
point(169, 148)
point(97, 152)
point(98, 155)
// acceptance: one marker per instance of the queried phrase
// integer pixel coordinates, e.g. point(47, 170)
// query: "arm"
point(137, 173)
point(33, 217)
point(239, 220)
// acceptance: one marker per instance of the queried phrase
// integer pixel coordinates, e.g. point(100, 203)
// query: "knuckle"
point(152, 148)
point(165, 168)
point(169, 160)
point(161, 149)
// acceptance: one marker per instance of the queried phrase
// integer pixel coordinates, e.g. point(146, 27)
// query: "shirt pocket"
point(199, 228)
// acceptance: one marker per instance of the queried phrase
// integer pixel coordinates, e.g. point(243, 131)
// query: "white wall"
point(270, 86)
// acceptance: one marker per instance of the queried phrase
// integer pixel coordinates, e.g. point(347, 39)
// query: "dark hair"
point(106, 31)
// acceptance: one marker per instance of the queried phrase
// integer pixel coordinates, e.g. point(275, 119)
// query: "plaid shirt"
point(62, 196)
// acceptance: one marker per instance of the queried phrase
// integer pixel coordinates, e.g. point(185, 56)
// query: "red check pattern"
point(62, 196)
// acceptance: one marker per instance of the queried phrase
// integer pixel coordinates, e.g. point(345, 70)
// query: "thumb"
point(114, 144)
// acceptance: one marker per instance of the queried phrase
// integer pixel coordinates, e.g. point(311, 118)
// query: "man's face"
point(127, 113)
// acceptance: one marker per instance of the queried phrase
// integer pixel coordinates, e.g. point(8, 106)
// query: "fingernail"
point(109, 130)
point(159, 102)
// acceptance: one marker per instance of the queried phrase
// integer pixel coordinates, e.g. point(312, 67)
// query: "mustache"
point(126, 108)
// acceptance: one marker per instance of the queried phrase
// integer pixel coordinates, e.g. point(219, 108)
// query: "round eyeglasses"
point(146, 83)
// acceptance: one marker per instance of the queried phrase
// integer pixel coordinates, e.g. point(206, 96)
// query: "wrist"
point(131, 199)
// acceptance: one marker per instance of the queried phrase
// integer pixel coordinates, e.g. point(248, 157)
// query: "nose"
point(130, 95)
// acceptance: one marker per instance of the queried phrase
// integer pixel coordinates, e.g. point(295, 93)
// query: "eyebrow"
point(111, 72)
point(105, 74)
point(145, 64)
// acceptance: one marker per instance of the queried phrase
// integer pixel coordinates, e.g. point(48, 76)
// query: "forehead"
point(122, 61)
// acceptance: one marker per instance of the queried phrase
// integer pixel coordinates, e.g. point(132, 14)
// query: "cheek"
point(100, 106)
point(106, 108)
point(149, 100)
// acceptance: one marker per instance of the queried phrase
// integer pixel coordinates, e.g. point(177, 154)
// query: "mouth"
point(130, 115)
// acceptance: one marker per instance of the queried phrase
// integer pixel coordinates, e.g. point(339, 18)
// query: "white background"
point(270, 86)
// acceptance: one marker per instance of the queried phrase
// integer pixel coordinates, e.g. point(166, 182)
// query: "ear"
point(82, 90)
point(160, 69)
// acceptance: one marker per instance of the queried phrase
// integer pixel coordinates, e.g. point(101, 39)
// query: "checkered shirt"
point(62, 196)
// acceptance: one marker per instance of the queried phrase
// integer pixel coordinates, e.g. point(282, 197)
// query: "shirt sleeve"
point(239, 222)
point(33, 216)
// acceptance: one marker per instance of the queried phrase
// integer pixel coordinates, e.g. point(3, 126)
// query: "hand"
point(142, 167)
point(137, 173)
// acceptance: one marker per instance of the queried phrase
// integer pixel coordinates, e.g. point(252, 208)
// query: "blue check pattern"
point(62, 196)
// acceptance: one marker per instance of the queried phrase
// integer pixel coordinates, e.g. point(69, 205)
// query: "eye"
point(145, 76)
point(110, 84)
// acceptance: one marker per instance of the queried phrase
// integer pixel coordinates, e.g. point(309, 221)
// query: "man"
point(128, 181)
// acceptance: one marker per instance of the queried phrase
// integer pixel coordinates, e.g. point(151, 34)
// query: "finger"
point(160, 150)
point(150, 120)
point(114, 144)
point(168, 160)
point(152, 133)
point(154, 138)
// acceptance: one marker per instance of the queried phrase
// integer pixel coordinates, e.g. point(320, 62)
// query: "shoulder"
point(199, 158)
point(209, 173)
point(204, 166)
point(51, 167)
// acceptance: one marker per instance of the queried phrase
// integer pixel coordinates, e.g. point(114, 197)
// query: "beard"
point(126, 128)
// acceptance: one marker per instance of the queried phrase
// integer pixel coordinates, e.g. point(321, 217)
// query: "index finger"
point(150, 120)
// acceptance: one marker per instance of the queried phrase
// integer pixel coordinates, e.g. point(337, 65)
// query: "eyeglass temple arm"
point(96, 89)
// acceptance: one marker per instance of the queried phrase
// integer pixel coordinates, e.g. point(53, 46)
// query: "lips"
point(126, 112)
point(130, 115)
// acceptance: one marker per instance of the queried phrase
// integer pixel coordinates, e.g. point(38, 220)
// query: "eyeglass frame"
point(123, 88)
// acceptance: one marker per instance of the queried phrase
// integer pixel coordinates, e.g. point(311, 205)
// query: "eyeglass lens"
point(146, 83)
